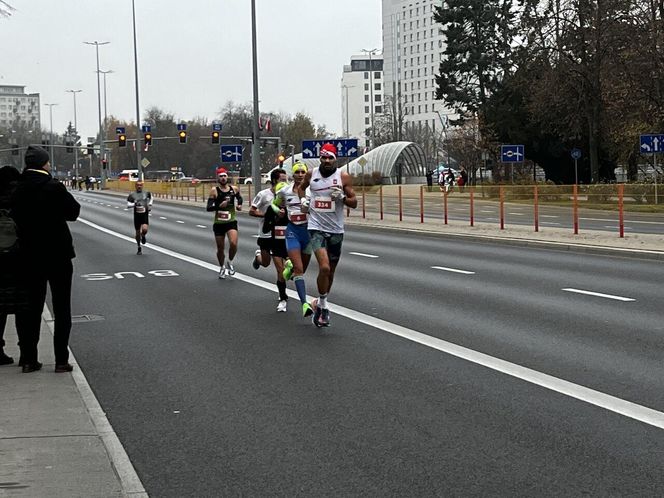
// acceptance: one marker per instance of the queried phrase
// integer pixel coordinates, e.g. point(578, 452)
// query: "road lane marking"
point(363, 254)
point(163, 218)
point(548, 216)
point(599, 294)
point(453, 270)
point(201, 226)
point(585, 394)
point(630, 221)
point(517, 214)
point(116, 207)
point(178, 221)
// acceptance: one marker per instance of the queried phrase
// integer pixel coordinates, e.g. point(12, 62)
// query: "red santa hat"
point(221, 171)
point(328, 150)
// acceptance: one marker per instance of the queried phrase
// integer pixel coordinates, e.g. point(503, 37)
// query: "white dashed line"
point(163, 218)
point(599, 294)
point(363, 254)
point(548, 216)
point(178, 221)
point(517, 214)
point(453, 270)
point(116, 207)
point(201, 226)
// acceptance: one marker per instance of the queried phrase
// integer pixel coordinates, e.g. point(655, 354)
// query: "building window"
point(366, 109)
point(366, 76)
point(366, 87)
point(379, 109)
point(366, 98)
point(419, 109)
point(377, 86)
point(377, 98)
point(367, 121)
point(377, 75)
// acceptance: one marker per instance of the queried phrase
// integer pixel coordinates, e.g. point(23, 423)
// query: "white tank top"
point(325, 214)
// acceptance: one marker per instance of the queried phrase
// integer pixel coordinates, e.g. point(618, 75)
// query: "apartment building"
point(19, 109)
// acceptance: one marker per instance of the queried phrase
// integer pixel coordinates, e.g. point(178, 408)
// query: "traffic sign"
point(652, 143)
point(512, 153)
point(216, 126)
point(145, 129)
point(182, 127)
point(576, 153)
point(119, 130)
point(145, 162)
point(231, 153)
point(346, 147)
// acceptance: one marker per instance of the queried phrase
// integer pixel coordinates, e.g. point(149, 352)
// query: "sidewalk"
point(54, 439)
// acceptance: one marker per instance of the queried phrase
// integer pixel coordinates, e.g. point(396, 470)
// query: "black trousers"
point(58, 275)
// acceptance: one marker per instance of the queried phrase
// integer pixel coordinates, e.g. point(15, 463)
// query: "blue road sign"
point(231, 153)
point(182, 127)
point(346, 147)
point(652, 143)
point(216, 126)
point(512, 153)
point(119, 129)
point(146, 128)
point(576, 153)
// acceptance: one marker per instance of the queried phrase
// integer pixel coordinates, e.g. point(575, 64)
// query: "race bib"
point(223, 215)
point(140, 209)
point(323, 204)
point(279, 233)
point(298, 218)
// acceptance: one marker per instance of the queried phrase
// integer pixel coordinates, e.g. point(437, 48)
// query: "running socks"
point(282, 291)
point(301, 288)
point(322, 301)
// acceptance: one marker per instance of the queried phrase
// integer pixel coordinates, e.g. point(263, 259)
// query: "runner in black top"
point(141, 202)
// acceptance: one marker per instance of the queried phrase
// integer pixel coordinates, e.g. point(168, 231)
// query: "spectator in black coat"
point(42, 206)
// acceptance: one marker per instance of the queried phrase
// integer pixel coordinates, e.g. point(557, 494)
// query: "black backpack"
point(8, 236)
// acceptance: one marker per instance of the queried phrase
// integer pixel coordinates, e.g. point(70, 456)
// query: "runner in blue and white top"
point(297, 235)
point(331, 190)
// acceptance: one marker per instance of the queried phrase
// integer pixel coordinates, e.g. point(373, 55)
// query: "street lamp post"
point(50, 112)
point(106, 115)
point(74, 92)
point(101, 130)
point(346, 87)
point(138, 109)
point(371, 108)
point(256, 143)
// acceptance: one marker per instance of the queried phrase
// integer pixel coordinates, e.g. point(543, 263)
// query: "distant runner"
point(141, 202)
point(224, 200)
point(331, 191)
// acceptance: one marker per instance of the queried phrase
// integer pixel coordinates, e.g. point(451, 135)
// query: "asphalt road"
point(213, 393)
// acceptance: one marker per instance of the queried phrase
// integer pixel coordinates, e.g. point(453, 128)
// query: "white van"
point(128, 175)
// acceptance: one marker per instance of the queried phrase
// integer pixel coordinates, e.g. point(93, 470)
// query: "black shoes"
point(31, 367)
point(139, 251)
point(5, 360)
point(65, 367)
point(143, 239)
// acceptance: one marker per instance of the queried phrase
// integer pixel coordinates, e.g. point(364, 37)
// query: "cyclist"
point(224, 201)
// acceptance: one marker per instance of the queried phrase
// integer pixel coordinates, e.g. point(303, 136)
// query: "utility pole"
point(108, 161)
point(50, 113)
point(101, 130)
point(138, 111)
point(74, 92)
point(256, 143)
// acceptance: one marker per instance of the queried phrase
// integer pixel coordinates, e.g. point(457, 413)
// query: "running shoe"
point(143, 239)
point(307, 311)
point(282, 307)
point(230, 268)
point(318, 312)
point(222, 273)
point(139, 250)
point(325, 318)
point(288, 270)
point(256, 264)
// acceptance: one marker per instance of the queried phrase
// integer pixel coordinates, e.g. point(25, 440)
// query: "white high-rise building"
point(19, 109)
point(362, 87)
point(413, 46)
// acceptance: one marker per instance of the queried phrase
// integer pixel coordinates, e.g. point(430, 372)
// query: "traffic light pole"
point(139, 166)
point(256, 144)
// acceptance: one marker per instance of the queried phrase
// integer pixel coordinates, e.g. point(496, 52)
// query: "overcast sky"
point(193, 55)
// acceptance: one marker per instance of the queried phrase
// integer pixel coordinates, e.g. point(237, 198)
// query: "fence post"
point(502, 207)
point(621, 213)
point(421, 203)
point(381, 203)
point(445, 205)
point(536, 194)
point(576, 210)
point(400, 205)
point(472, 207)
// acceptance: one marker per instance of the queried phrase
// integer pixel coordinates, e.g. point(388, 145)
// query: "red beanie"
point(221, 170)
point(328, 150)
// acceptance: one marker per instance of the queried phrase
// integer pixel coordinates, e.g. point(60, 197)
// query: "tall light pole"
point(256, 144)
point(373, 131)
point(74, 92)
point(50, 112)
point(101, 130)
point(138, 109)
point(106, 115)
point(346, 87)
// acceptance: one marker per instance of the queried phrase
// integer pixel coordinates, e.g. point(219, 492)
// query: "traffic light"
point(70, 147)
point(148, 138)
point(183, 136)
point(281, 159)
point(91, 149)
point(14, 150)
point(122, 140)
point(215, 137)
